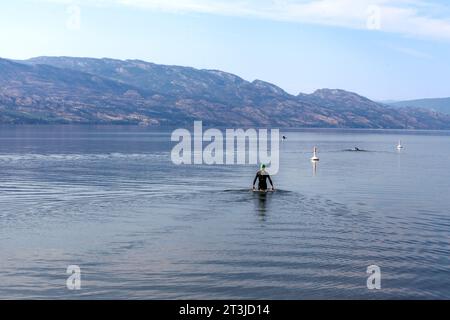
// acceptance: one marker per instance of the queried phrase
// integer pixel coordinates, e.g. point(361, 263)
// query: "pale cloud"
point(411, 52)
point(412, 18)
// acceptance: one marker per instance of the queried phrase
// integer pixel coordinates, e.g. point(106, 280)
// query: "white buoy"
point(315, 158)
point(399, 146)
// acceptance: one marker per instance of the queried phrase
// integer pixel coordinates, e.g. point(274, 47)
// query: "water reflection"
point(262, 200)
point(314, 167)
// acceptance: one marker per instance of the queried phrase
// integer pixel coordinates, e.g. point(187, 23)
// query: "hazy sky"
point(397, 49)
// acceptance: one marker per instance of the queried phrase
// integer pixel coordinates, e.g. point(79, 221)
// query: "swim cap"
point(263, 166)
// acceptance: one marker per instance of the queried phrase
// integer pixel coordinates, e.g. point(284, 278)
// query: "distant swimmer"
point(355, 149)
point(262, 177)
point(284, 137)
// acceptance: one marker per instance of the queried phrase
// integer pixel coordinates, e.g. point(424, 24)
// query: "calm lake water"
point(110, 200)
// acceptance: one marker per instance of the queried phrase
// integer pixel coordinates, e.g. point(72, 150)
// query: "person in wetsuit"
point(262, 177)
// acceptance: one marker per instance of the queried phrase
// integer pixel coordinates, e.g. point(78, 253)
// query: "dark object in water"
point(356, 149)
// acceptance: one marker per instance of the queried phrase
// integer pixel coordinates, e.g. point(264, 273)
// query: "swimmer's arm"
point(254, 180)
point(271, 183)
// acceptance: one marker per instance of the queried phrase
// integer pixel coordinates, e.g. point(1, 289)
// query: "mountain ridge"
point(111, 91)
point(436, 104)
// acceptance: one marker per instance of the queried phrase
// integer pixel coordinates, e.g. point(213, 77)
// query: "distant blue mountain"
point(439, 104)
